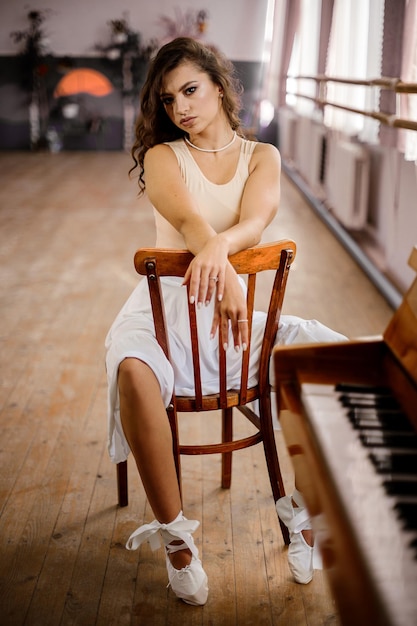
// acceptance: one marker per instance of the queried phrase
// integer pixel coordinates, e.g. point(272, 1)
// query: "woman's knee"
point(132, 374)
point(137, 379)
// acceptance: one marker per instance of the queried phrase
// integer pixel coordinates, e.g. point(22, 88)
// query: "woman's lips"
point(187, 121)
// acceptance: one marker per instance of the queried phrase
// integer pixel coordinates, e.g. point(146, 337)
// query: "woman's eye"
point(166, 101)
point(190, 90)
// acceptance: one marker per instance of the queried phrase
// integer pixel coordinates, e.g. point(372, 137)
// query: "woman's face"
point(192, 101)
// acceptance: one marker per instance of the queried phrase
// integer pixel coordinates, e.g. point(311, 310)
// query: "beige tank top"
point(218, 204)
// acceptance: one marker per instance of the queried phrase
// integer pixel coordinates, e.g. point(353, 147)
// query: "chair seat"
point(213, 401)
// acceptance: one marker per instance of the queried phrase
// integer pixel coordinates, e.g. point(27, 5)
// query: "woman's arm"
point(260, 199)
point(259, 205)
point(168, 193)
point(170, 196)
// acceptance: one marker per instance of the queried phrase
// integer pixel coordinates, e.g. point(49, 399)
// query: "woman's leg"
point(295, 330)
point(302, 475)
point(148, 433)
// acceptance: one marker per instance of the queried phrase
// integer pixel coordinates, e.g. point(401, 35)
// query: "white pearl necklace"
point(216, 150)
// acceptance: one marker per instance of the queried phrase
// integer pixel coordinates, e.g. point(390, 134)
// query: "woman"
point(214, 193)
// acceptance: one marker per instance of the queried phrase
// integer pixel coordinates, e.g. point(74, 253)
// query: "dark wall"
point(99, 124)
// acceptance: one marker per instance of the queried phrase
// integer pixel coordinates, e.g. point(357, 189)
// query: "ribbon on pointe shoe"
point(300, 521)
point(301, 517)
point(179, 528)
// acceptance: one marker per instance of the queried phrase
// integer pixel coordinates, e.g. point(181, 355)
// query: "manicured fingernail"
point(237, 348)
point(211, 335)
point(244, 346)
point(199, 305)
point(192, 299)
point(225, 346)
point(220, 297)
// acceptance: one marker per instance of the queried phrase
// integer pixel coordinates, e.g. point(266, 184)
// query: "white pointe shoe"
point(189, 583)
point(302, 558)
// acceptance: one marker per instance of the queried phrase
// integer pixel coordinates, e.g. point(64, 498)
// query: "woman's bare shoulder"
point(266, 153)
point(159, 150)
point(158, 155)
point(266, 149)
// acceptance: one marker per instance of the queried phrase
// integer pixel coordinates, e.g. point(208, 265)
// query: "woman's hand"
point(231, 309)
point(207, 272)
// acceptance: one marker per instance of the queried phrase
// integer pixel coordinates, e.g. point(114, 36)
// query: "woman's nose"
point(181, 105)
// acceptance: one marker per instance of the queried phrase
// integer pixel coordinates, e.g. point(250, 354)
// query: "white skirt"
point(132, 334)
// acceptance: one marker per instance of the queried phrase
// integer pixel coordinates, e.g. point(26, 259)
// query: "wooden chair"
point(277, 256)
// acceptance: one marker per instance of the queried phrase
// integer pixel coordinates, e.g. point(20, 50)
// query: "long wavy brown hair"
point(153, 125)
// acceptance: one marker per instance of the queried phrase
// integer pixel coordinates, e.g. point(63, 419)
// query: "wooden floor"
point(69, 225)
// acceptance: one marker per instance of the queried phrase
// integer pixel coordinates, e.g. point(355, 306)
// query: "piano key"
point(404, 485)
point(379, 437)
point(361, 395)
point(395, 461)
point(380, 534)
point(362, 388)
point(407, 511)
point(368, 401)
point(387, 420)
point(413, 545)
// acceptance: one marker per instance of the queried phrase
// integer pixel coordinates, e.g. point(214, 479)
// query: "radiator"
point(347, 182)
point(303, 156)
point(287, 122)
point(310, 150)
point(318, 143)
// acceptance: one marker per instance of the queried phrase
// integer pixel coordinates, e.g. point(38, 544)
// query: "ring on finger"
point(241, 321)
point(213, 278)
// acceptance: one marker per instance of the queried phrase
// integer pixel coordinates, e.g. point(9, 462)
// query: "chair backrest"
point(278, 256)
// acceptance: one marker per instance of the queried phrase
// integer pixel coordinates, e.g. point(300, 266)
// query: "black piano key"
point(383, 428)
point(362, 395)
point(407, 512)
point(380, 419)
point(413, 546)
point(389, 439)
point(368, 401)
point(388, 461)
point(362, 388)
point(401, 486)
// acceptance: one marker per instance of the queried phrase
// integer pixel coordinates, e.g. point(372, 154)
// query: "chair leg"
point(271, 456)
point(176, 447)
point(285, 532)
point(122, 487)
point(227, 435)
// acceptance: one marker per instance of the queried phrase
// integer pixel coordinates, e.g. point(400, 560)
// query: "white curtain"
point(299, 45)
point(370, 130)
point(408, 102)
point(354, 52)
point(304, 58)
point(272, 83)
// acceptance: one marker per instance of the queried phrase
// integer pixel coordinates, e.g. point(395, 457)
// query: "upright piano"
point(352, 428)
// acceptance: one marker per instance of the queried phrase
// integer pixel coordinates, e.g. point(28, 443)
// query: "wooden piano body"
point(370, 566)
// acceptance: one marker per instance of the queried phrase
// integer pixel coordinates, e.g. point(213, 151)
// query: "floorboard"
point(69, 226)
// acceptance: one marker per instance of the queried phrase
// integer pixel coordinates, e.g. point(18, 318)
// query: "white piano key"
point(379, 533)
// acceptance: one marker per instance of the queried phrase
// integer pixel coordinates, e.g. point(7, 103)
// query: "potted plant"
point(33, 53)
